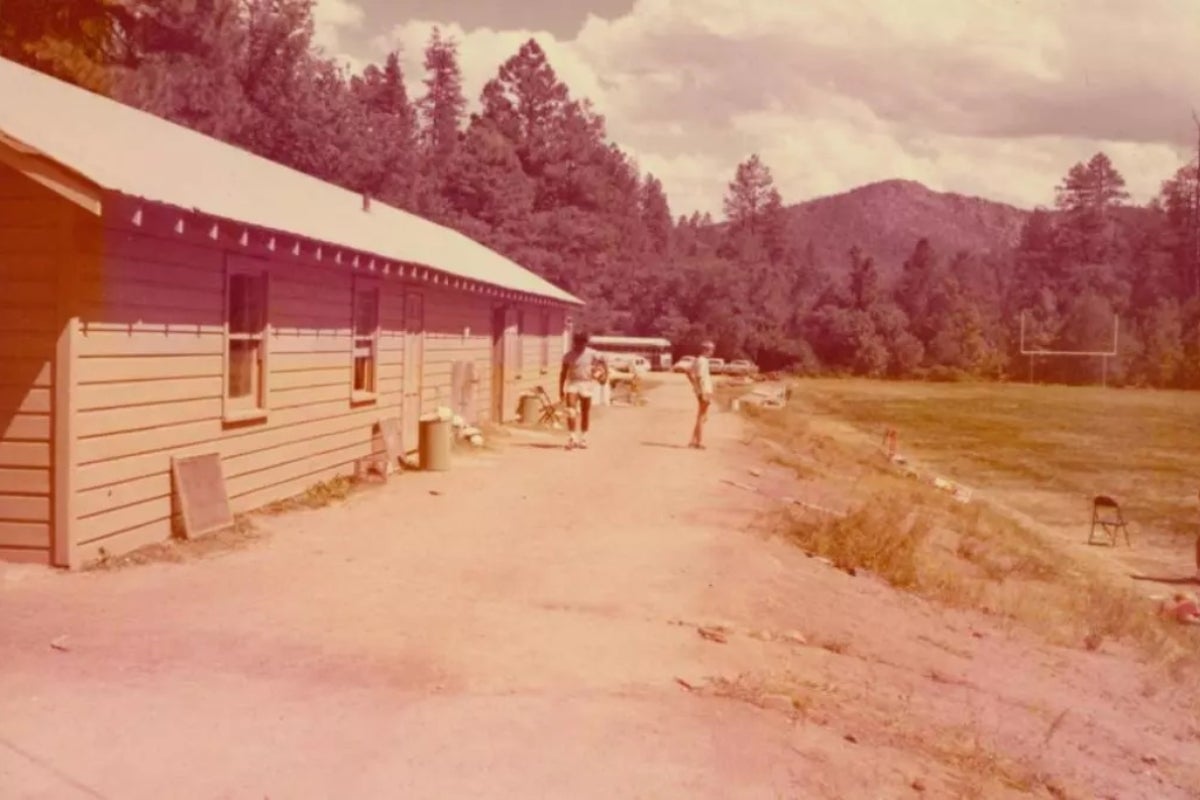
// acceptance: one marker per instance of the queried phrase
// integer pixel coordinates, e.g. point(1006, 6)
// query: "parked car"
point(741, 366)
point(624, 362)
point(683, 364)
point(716, 366)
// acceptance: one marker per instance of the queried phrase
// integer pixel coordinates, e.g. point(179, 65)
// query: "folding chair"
point(550, 413)
point(1107, 516)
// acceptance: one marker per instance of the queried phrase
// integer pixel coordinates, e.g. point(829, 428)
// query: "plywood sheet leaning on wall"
point(200, 491)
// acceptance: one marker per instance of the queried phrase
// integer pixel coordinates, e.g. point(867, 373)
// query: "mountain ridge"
point(886, 219)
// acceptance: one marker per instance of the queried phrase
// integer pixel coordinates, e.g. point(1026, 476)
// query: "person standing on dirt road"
point(583, 372)
point(700, 376)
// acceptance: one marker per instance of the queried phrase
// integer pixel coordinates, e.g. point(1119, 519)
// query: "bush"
point(880, 538)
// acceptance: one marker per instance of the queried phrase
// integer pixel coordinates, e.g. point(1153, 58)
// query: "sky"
point(993, 98)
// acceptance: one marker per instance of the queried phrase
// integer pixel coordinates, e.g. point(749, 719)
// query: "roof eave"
point(131, 213)
point(58, 178)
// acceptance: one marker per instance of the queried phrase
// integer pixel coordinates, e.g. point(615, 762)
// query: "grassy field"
point(1066, 443)
point(1043, 451)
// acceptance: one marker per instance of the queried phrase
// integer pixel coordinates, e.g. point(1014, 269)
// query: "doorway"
point(414, 368)
point(504, 344)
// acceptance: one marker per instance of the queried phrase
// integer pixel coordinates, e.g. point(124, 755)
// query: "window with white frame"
point(366, 338)
point(245, 339)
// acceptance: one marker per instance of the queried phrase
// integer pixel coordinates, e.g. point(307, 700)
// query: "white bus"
point(656, 351)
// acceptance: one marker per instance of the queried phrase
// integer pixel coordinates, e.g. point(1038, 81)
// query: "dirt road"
point(525, 626)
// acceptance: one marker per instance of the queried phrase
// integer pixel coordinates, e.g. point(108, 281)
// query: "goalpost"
point(1103, 355)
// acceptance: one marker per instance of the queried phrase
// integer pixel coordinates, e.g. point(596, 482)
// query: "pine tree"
point(864, 280)
point(1180, 201)
point(389, 134)
point(918, 277)
point(485, 183)
point(656, 216)
point(1095, 187)
point(443, 105)
point(529, 104)
point(751, 195)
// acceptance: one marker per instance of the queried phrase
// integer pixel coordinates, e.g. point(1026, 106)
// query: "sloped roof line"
point(133, 153)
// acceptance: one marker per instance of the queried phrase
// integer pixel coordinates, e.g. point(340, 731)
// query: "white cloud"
point(994, 97)
point(330, 19)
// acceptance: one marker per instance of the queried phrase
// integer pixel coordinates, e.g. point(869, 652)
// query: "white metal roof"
point(134, 153)
point(628, 341)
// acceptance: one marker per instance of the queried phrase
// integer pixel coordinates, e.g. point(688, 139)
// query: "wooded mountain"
point(886, 219)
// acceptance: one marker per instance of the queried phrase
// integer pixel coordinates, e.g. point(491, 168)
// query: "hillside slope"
point(886, 219)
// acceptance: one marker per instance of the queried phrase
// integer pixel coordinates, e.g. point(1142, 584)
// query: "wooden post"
point(63, 552)
point(1195, 220)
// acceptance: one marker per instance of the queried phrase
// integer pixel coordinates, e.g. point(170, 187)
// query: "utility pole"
point(1194, 222)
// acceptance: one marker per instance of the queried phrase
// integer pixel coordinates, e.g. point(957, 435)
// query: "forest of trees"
point(534, 175)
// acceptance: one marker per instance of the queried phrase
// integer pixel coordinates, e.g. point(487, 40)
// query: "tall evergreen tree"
point(656, 216)
point(443, 105)
point(750, 193)
point(390, 133)
point(1180, 201)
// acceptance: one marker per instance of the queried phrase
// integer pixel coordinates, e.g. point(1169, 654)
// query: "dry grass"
point(241, 534)
point(972, 555)
point(319, 495)
point(177, 551)
point(787, 693)
point(881, 538)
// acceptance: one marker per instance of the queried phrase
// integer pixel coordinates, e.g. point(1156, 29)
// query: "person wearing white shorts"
point(700, 377)
point(582, 371)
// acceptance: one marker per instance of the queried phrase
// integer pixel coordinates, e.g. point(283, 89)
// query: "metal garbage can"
point(527, 410)
point(433, 444)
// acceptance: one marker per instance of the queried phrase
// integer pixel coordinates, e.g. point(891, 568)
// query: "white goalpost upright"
point(1103, 355)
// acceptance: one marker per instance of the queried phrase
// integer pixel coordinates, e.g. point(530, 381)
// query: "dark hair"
point(580, 338)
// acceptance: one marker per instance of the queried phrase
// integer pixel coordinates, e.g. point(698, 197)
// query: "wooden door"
point(499, 318)
point(414, 367)
point(505, 341)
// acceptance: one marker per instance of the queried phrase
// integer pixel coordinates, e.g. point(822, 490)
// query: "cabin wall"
point(151, 372)
point(31, 225)
point(541, 351)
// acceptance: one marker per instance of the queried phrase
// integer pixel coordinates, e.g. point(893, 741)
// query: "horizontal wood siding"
point(532, 372)
point(150, 380)
point(458, 327)
point(30, 225)
point(151, 377)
